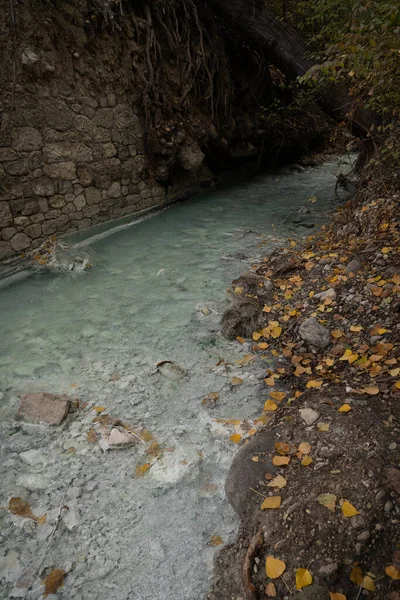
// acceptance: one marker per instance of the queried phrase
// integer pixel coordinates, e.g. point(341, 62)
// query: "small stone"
point(330, 293)
point(44, 408)
point(392, 446)
point(32, 457)
point(393, 477)
point(388, 507)
point(328, 570)
point(357, 522)
point(364, 536)
point(358, 548)
point(309, 415)
point(379, 527)
point(380, 495)
point(354, 266)
point(314, 333)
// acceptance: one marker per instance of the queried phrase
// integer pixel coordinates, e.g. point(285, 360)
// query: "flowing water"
point(155, 292)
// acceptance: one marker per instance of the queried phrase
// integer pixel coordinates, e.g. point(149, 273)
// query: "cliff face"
point(107, 113)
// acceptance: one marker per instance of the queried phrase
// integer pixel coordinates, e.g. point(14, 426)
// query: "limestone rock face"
point(43, 408)
point(314, 333)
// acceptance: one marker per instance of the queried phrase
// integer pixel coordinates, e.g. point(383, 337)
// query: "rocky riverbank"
point(317, 490)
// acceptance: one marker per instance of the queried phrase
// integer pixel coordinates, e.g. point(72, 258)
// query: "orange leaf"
point(270, 381)
point(393, 572)
point(356, 576)
point(278, 482)
point(142, 469)
point(278, 396)
point(235, 437)
point(216, 540)
point(336, 596)
point(271, 502)
point(314, 383)
point(348, 509)
point(256, 336)
point(274, 567)
point(53, 581)
point(345, 408)
point(240, 339)
point(282, 447)
point(236, 381)
point(304, 448)
point(368, 583)
point(270, 590)
point(307, 460)
point(99, 409)
point(270, 405)
point(280, 461)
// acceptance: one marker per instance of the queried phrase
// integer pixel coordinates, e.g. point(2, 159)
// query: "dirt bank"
point(318, 488)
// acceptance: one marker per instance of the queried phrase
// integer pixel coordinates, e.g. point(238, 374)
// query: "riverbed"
point(155, 292)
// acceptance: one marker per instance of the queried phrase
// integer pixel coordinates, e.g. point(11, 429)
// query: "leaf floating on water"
point(23, 509)
point(282, 447)
point(91, 436)
point(393, 572)
point(240, 339)
point(280, 461)
point(235, 437)
point(236, 381)
point(356, 576)
point(278, 482)
point(345, 408)
point(336, 596)
point(99, 409)
point(53, 581)
point(307, 460)
point(304, 448)
point(271, 502)
point(303, 578)
point(216, 540)
point(328, 500)
point(270, 590)
point(142, 469)
point(349, 510)
point(274, 567)
point(270, 406)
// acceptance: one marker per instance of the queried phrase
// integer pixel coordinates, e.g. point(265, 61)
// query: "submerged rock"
point(314, 333)
point(44, 408)
point(170, 369)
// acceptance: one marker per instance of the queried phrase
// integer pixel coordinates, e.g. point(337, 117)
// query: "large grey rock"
point(62, 170)
point(314, 333)
point(25, 139)
point(191, 157)
point(43, 408)
point(20, 242)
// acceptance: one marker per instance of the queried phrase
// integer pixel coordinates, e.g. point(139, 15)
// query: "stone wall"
point(71, 138)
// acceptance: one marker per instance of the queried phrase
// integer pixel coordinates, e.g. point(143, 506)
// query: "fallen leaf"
point(53, 581)
point(356, 576)
point(255, 458)
point(240, 339)
point(278, 482)
point(276, 332)
point(372, 391)
point(328, 500)
point(349, 510)
point(393, 572)
point(270, 590)
point(345, 408)
point(280, 461)
point(216, 540)
point(307, 460)
point(99, 409)
point(323, 427)
point(282, 447)
point(274, 567)
point(356, 328)
point(142, 469)
point(303, 578)
point(337, 333)
point(235, 437)
point(270, 381)
point(236, 381)
point(271, 502)
point(304, 448)
point(256, 336)
point(279, 396)
point(368, 583)
point(238, 290)
point(270, 405)
point(91, 436)
point(314, 383)
point(336, 596)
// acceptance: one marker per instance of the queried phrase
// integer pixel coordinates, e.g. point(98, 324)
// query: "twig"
point(253, 490)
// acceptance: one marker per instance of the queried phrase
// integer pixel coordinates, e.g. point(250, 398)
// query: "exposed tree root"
point(247, 570)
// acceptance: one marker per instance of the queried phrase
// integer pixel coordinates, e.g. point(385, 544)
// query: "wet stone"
point(43, 408)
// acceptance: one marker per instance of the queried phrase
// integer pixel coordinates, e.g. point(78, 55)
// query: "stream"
point(155, 292)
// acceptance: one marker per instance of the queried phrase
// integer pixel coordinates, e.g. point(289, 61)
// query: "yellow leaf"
point(270, 590)
point(255, 458)
point(53, 581)
point(238, 290)
point(345, 408)
point(240, 339)
point(323, 427)
point(270, 381)
point(329, 362)
point(394, 372)
point(256, 336)
point(262, 345)
point(41, 520)
point(314, 383)
point(274, 567)
point(278, 481)
point(278, 396)
point(397, 385)
point(368, 583)
point(303, 578)
point(356, 328)
point(280, 461)
point(336, 596)
point(99, 409)
point(307, 460)
point(236, 381)
point(349, 510)
point(356, 576)
point(271, 502)
point(304, 448)
point(393, 572)
point(270, 405)
point(282, 447)
point(276, 332)
point(386, 250)
point(267, 309)
point(328, 500)
point(216, 540)
point(235, 437)
point(142, 469)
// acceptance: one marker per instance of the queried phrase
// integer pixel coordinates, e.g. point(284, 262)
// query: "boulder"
point(242, 318)
point(191, 157)
point(44, 408)
point(314, 333)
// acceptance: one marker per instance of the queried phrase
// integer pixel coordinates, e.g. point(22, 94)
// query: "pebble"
point(380, 495)
point(32, 457)
point(328, 570)
point(309, 415)
point(392, 446)
point(357, 522)
point(388, 506)
point(364, 536)
point(379, 527)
